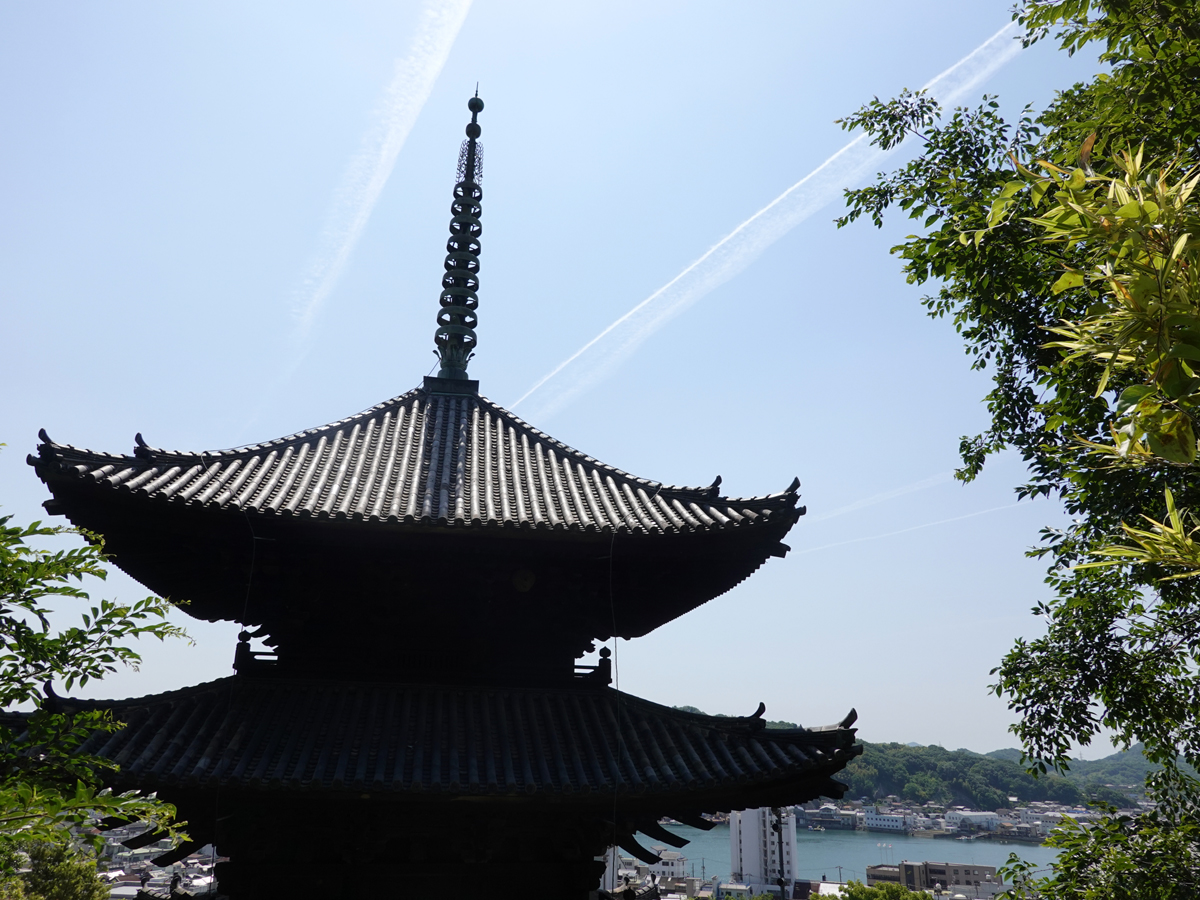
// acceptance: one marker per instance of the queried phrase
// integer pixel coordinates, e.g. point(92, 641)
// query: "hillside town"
point(1028, 822)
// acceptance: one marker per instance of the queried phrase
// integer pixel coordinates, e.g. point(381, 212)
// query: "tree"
point(59, 872)
point(47, 785)
point(856, 890)
point(1056, 251)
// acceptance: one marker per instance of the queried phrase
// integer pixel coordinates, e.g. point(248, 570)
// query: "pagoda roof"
point(424, 458)
point(321, 738)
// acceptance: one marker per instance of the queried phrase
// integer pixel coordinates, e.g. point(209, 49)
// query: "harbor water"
point(820, 853)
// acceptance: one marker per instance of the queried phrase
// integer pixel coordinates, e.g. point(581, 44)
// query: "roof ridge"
point(143, 450)
point(737, 723)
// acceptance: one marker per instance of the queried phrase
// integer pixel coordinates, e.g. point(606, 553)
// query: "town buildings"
point(937, 876)
point(971, 820)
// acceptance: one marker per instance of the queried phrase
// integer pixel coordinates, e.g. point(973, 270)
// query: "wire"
point(616, 673)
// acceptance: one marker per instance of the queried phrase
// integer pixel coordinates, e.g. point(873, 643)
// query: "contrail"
point(734, 252)
point(412, 81)
point(876, 537)
point(932, 481)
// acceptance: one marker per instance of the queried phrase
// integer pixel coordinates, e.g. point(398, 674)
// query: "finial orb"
point(475, 105)
point(605, 653)
point(473, 130)
point(243, 636)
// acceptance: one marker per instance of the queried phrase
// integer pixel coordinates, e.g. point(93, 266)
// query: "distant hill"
point(1125, 769)
point(920, 773)
point(961, 777)
point(956, 777)
point(1009, 754)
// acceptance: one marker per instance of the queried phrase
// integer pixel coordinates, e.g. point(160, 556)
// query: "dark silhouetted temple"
point(427, 572)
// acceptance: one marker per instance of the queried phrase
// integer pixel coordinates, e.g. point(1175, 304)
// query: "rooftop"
point(423, 458)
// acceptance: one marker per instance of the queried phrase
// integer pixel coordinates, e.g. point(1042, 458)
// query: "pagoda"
point(426, 575)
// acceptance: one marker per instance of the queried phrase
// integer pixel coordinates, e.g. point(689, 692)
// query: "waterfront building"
point(971, 820)
point(873, 820)
point(762, 848)
point(829, 816)
point(416, 584)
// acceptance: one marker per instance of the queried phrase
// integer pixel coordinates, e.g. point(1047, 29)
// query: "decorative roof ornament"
point(455, 337)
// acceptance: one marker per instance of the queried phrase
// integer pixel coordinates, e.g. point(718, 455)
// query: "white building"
point(762, 847)
point(672, 865)
point(873, 820)
point(972, 819)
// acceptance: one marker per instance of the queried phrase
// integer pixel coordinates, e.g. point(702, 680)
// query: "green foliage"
point(62, 872)
point(47, 785)
point(856, 890)
point(960, 777)
point(1091, 250)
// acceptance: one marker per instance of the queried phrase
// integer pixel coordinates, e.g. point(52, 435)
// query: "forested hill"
point(960, 777)
point(983, 781)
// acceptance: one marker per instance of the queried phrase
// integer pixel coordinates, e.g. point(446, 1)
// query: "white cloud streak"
point(412, 81)
point(600, 356)
point(883, 497)
point(887, 534)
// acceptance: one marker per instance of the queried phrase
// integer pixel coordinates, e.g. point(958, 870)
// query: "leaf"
point(1077, 180)
point(1184, 351)
point(1173, 439)
point(1130, 210)
point(1066, 281)
point(1132, 396)
point(1085, 153)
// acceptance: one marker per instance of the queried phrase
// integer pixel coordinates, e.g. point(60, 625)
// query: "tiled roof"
point(325, 736)
point(420, 458)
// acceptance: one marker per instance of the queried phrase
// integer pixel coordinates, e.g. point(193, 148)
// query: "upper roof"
point(425, 457)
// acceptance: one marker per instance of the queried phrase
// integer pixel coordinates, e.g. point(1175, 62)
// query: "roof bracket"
point(629, 844)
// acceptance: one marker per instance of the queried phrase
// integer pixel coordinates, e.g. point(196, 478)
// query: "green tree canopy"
point(47, 786)
point(60, 872)
point(1055, 244)
point(856, 890)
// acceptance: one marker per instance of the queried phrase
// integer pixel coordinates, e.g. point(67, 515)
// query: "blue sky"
point(213, 234)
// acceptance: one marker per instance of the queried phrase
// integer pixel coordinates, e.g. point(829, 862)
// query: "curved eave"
point(320, 739)
point(421, 460)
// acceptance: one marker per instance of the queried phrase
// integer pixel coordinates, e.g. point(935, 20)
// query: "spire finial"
point(455, 335)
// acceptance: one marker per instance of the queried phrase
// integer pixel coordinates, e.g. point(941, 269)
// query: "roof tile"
point(317, 736)
point(421, 458)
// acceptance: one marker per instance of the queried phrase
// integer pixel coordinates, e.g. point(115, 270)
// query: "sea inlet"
point(821, 853)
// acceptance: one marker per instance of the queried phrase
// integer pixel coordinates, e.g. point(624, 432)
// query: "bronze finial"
point(455, 337)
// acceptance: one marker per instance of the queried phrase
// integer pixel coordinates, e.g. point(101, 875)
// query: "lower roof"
point(325, 738)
